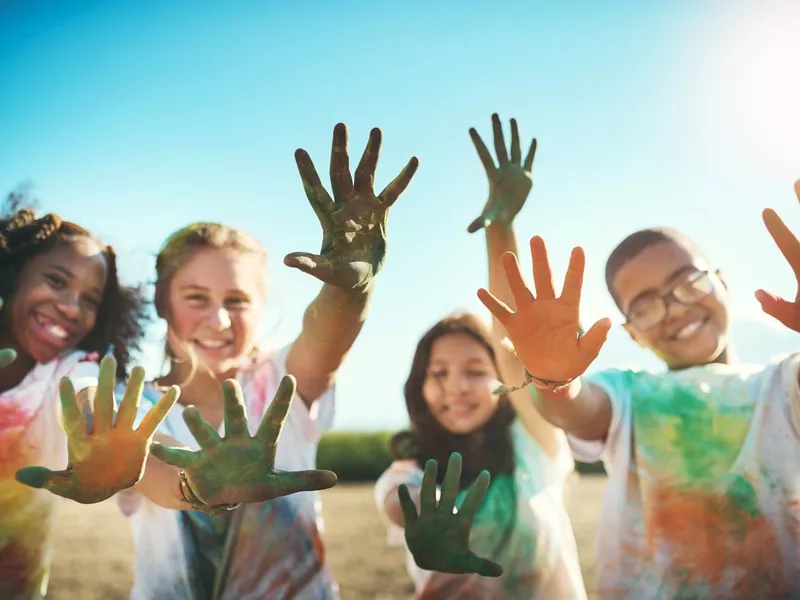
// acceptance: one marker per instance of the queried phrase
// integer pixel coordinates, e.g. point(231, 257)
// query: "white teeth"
point(688, 330)
point(56, 331)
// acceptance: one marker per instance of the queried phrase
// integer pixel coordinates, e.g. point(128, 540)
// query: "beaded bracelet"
point(189, 496)
point(530, 378)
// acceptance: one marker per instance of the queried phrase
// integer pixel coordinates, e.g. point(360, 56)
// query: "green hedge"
point(364, 456)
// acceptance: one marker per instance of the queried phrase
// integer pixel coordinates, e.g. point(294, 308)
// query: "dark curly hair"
point(122, 312)
point(489, 448)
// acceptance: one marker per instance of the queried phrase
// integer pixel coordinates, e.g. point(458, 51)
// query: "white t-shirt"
point(522, 524)
point(703, 495)
point(31, 435)
point(278, 551)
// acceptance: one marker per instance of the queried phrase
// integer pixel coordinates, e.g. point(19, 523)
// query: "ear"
point(634, 335)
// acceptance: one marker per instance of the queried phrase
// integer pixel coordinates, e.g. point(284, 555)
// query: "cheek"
point(245, 326)
point(184, 322)
point(432, 394)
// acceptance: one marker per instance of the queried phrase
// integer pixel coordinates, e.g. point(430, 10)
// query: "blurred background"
point(134, 118)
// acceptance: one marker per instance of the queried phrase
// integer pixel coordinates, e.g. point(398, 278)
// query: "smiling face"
point(57, 297)
point(690, 333)
point(459, 382)
point(215, 306)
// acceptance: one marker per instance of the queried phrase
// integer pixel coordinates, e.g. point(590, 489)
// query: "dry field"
point(94, 548)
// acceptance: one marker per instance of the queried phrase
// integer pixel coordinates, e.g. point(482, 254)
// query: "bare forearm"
point(331, 324)
point(581, 410)
point(499, 240)
point(160, 483)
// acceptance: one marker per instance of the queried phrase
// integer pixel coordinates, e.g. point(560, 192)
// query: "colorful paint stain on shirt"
point(30, 435)
point(270, 550)
point(699, 485)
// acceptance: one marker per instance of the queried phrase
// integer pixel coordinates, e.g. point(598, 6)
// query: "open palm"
point(354, 220)
point(785, 311)
point(545, 329)
point(240, 467)
point(109, 456)
point(510, 181)
point(438, 537)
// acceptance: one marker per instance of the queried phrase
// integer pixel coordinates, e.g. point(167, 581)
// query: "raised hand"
point(438, 538)
point(785, 311)
point(240, 468)
point(354, 221)
point(109, 456)
point(510, 181)
point(545, 328)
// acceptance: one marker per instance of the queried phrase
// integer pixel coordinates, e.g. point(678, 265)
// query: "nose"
point(455, 385)
point(674, 309)
point(69, 306)
point(219, 319)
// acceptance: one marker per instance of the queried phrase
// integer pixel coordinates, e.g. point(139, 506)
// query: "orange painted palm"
point(544, 329)
point(106, 455)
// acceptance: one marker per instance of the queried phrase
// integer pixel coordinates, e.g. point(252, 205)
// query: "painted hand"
point(111, 456)
point(240, 468)
point(783, 310)
point(437, 538)
point(354, 221)
point(545, 329)
point(510, 182)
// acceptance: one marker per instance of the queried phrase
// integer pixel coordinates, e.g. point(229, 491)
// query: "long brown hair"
point(488, 448)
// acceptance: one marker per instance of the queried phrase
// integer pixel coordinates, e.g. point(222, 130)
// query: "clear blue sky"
point(133, 118)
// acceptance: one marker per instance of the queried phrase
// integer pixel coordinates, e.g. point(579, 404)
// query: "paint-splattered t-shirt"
point(522, 524)
point(31, 434)
point(277, 552)
point(703, 495)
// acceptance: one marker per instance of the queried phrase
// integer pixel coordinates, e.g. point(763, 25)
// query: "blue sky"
point(134, 118)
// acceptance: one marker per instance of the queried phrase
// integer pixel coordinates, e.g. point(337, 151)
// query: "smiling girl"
point(64, 307)
point(454, 406)
point(211, 291)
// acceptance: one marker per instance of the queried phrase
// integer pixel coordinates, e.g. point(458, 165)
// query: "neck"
point(201, 390)
point(726, 357)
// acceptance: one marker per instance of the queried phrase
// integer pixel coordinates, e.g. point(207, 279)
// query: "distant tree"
point(23, 196)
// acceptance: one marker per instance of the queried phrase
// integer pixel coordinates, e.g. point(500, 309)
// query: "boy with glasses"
point(703, 496)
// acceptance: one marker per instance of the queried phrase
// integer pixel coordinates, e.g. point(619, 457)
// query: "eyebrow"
point(667, 282)
point(202, 288)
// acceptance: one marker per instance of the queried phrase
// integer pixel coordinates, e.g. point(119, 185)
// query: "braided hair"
point(122, 312)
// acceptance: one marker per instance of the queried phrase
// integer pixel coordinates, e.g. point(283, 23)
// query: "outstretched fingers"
point(341, 179)
point(365, 172)
point(398, 185)
point(451, 484)
point(104, 396)
point(528, 164)
point(542, 275)
point(7, 356)
point(129, 405)
point(206, 436)
point(269, 430)
point(177, 457)
point(778, 308)
point(159, 412)
point(499, 309)
point(474, 497)
point(427, 493)
point(573, 281)
point(516, 152)
point(786, 241)
point(316, 193)
point(306, 481)
point(74, 423)
point(499, 140)
point(483, 153)
point(519, 290)
point(482, 566)
point(235, 413)
point(407, 505)
point(590, 344)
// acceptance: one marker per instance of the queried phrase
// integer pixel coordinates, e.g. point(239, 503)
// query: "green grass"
point(363, 456)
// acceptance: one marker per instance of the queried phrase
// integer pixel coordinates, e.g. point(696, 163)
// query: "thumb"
point(57, 482)
point(7, 356)
point(479, 223)
point(590, 344)
point(308, 481)
point(776, 307)
point(482, 566)
point(313, 264)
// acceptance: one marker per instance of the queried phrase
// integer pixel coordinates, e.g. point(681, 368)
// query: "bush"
point(363, 456)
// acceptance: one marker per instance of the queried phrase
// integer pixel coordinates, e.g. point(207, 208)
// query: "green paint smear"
point(691, 437)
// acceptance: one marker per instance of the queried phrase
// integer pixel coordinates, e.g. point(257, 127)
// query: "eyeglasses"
point(648, 311)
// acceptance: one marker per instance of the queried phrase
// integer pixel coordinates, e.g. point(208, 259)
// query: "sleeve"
point(399, 472)
point(618, 387)
point(314, 420)
point(790, 375)
point(83, 371)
